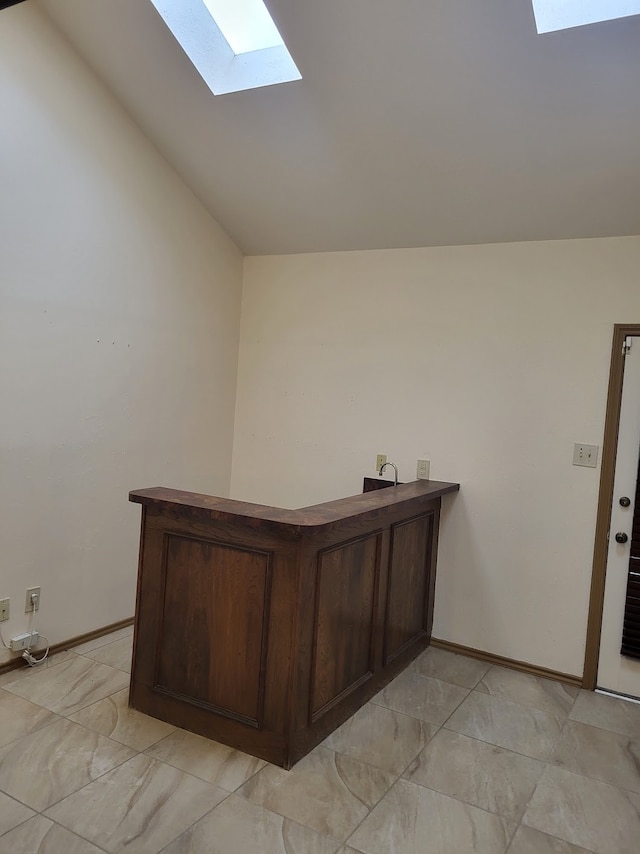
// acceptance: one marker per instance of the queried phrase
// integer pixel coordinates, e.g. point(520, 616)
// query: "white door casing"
point(616, 672)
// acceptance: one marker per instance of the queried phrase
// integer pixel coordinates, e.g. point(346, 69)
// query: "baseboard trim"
point(523, 666)
point(16, 662)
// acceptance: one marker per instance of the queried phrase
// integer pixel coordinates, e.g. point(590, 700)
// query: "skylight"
point(245, 24)
point(234, 44)
point(563, 14)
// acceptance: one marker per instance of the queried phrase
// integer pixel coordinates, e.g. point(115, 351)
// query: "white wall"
point(491, 361)
point(119, 315)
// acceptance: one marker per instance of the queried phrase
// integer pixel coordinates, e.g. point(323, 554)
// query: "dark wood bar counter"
point(265, 628)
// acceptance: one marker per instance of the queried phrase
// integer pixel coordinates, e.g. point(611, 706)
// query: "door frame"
point(605, 501)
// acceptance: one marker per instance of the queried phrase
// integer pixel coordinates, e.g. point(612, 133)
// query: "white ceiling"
point(416, 123)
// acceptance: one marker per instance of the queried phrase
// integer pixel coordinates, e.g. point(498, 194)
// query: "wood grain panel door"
point(212, 638)
point(409, 584)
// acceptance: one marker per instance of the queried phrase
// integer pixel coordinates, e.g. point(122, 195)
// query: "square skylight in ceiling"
point(563, 14)
point(233, 44)
point(246, 24)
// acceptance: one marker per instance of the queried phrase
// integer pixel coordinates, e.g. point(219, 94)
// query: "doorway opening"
point(605, 499)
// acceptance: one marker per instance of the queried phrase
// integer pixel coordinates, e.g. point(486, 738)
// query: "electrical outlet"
point(585, 455)
point(422, 470)
point(29, 604)
point(380, 461)
point(4, 610)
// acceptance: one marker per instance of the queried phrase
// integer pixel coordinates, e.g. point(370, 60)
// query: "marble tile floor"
point(454, 756)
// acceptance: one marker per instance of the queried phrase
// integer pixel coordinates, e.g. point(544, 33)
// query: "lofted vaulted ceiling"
point(416, 123)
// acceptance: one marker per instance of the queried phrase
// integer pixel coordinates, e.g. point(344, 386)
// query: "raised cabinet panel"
point(346, 589)
point(408, 586)
point(212, 641)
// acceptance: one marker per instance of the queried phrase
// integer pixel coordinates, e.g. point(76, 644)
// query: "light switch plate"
point(4, 610)
point(585, 455)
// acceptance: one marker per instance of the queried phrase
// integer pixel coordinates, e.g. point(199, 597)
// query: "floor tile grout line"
point(513, 835)
point(93, 732)
point(405, 714)
point(551, 764)
point(102, 645)
point(414, 669)
point(444, 795)
point(476, 806)
point(371, 809)
point(41, 726)
point(145, 752)
point(400, 777)
point(604, 729)
point(493, 744)
point(522, 705)
point(335, 753)
point(20, 823)
point(91, 782)
point(21, 673)
point(84, 785)
point(548, 763)
point(267, 810)
point(75, 710)
point(75, 833)
point(97, 661)
point(557, 838)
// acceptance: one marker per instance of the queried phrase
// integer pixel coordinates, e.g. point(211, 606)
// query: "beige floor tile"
point(449, 667)
point(478, 773)
point(139, 807)
point(326, 791)
point(12, 813)
point(57, 658)
point(42, 836)
point(598, 753)
point(469, 780)
point(69, 686)
point(113, 717)
point(585, 812)
point(413, 820)
point(41, 768)
point(237, 826)
point(209, 760)
point(19, 717)
point(96, 643)
point(116, 654)
point(557, 698)
point(421, 697)
point(10, 675)
point(607, 712)
point(530, 841)
point(506, 724)
point(22, 666)
point(381, 737)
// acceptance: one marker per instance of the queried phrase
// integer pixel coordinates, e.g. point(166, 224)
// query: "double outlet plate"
point(585, 455)
point(29, 605)
point(422, 467)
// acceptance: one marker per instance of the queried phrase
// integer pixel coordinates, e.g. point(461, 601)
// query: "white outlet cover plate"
point(585, 455)
point(422, 469)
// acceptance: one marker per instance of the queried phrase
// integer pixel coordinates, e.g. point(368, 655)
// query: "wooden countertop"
point(318, 516)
